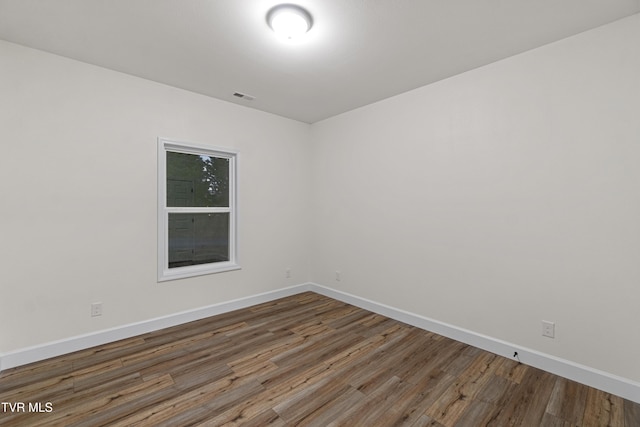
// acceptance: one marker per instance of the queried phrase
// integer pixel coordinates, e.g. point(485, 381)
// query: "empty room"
point(320, 212)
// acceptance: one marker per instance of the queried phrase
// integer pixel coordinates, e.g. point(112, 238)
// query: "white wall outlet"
point(96, 309)
point(338, 274)
point(548, 329)
point(287, 273)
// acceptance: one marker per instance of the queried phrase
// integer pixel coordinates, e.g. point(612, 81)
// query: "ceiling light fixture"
point(289, 20)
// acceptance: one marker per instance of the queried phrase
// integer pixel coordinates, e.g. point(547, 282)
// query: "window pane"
point(197, 180)
point(198, 238)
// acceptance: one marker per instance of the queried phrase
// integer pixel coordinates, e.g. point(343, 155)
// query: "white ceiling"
point(358, 51)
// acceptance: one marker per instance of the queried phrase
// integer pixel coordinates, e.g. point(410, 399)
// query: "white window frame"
point(164, 272)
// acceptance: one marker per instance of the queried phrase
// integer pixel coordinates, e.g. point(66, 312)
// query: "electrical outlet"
point(96, 309)
point(287, 273)
point(548, 329)
point(338, 276)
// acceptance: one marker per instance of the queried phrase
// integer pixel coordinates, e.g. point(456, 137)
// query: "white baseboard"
point(601, 380)
point(595, 378)
point(57, 348)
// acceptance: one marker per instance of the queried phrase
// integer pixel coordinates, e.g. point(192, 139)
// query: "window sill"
point(193, 271)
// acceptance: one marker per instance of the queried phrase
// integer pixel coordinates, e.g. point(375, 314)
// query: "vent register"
point(244, 96)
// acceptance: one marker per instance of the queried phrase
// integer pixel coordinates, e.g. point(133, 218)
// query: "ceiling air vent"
point(244, 96)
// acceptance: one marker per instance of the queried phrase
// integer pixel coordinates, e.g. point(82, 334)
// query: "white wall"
point(498, 198)
point(78, 186)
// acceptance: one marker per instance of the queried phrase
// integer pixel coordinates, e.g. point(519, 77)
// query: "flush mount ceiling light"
point(289, 20)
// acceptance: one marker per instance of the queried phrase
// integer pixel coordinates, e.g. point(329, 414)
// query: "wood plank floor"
point(301, 360)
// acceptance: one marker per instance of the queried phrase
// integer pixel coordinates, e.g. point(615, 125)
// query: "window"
point(197, 216)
